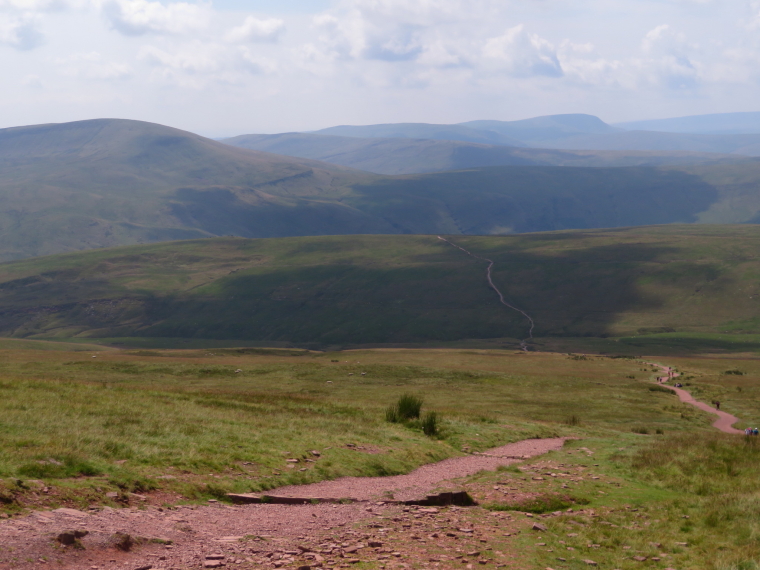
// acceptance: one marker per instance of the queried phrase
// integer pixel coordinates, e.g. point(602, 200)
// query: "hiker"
point(717, 405)
point(747, 431)
point(755, 431)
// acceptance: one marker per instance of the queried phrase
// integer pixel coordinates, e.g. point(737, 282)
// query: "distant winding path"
point(523, 343)
point(725, 420)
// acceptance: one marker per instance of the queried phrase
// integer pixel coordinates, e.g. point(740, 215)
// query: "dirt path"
point(725, 420)
point(523, 343)
point(248, 536)
point(418, 483)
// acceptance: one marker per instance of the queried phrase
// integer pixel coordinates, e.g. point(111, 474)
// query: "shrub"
point(735, 372)
point(430, 424)
point(573, 421)
point(392, 415)
point(661, 389)
point(641, 430)
point(409, 407)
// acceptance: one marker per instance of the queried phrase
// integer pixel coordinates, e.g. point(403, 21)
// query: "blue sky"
point(229, 67)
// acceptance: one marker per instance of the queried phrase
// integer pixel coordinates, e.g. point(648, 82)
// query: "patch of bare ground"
point(378, 534)
point(418, 483)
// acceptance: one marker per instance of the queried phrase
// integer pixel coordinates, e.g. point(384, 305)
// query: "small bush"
point(392, 415)
point(659, 431)
point(641, 430)
point(661, 389)
point(734, 372)
point(409, 407)
point(573, 421)
point(430, 424)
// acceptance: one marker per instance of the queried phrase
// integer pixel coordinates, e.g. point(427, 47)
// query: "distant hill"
point(102, 183)
point(568, 132)
point(719, 123)
point(107, 182)
point(745, 145)
point(344, 290)
point(541, 131)
point(422, 131)
point(415, 156)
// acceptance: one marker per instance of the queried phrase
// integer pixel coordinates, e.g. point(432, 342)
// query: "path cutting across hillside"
point(725, 420)
point(523, 343)
point(419, 482)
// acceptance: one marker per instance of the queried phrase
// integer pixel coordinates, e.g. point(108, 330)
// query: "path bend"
point(725, 420)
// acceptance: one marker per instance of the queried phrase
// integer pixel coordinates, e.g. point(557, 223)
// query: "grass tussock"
point(544, 503)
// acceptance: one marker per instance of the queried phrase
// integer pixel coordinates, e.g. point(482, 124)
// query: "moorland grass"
point(238, 414)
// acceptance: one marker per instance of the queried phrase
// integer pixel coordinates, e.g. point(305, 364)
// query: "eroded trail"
point(523, 343)
point(248, 536)
point(419, 482)
point(725, 420)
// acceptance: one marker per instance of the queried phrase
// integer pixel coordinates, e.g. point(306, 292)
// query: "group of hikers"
point(751, 431)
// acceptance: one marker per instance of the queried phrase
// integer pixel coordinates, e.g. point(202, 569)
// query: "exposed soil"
point(254, 535)
point(418, 483)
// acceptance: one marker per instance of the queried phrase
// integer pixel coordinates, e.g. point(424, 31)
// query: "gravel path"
point(418, 483)
point(725, 420)
point(197, 532)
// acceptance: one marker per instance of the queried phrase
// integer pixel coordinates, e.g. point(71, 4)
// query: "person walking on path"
point(717, 405)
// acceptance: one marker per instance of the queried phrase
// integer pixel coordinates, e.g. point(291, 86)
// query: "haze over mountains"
point(409, 148)
point(100, 183)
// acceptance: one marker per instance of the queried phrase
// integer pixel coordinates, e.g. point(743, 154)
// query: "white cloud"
point(140, 17)
point(522, 54)
point(20, 32)
point(668, 59)
point(33, 81)
point(34, 5)
point(93, 66)
point(257, 30)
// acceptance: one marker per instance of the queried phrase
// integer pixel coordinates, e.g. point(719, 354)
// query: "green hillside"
point(396, 156)
point(349, 290)
point(103, 183)
point(110, 182)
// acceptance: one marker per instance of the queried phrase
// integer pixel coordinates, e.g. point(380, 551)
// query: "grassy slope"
point(398, 289)
point(413, 156)
point(688, 497)
point(109, 182)
point(185, 413)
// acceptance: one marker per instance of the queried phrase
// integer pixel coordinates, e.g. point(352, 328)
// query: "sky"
point(229, 67)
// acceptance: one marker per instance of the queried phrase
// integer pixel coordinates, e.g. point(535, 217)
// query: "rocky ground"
point(371, 532)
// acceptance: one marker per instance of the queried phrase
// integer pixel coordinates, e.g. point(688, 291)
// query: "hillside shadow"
point(444, 296)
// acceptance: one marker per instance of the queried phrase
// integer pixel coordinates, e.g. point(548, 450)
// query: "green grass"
point(612, 291)
point(125, 421)
point(145, 415)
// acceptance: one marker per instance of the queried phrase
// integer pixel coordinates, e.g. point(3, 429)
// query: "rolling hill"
point(422, 131)
point(106, 182)
point(344, 290)
point(418, 156)
point(565, 132)
point(717, 123)
point(102, 183)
